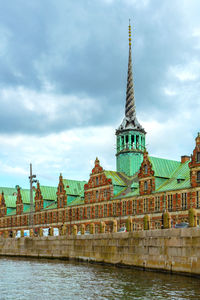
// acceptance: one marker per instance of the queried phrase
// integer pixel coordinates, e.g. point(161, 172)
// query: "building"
point(152, 192)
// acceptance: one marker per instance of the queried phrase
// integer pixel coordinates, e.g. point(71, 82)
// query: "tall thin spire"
point(130, 100)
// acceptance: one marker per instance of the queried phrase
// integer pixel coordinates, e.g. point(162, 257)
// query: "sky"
point(63, 71)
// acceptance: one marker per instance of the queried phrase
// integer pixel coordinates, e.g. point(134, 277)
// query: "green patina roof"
point(163, 167)
point(75, 187)
point(8, 190)
point(49, 192)
point(183, 174)
point(25, 193)
point(115, 176)
point(76, 201)
point(12, 213)
point(10, 201)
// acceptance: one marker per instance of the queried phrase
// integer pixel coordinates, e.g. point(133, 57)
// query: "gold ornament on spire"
point(129, 30)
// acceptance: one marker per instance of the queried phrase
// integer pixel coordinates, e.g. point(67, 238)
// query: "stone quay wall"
point(172, 250)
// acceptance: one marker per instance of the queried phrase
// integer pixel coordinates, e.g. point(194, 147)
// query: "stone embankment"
point(172, 250)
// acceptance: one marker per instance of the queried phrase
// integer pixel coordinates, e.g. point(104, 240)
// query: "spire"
point(130, 101)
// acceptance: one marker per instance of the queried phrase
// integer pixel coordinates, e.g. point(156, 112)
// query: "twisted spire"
point(130, 100)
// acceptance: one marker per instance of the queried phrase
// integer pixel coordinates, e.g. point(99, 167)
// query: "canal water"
point(50, 279)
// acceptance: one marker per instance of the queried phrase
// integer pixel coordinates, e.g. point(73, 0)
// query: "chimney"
point(184, 158)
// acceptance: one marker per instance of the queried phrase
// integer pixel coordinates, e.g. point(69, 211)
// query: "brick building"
point(143, 188)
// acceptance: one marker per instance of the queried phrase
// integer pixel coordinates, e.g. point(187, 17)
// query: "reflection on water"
point(49, 279)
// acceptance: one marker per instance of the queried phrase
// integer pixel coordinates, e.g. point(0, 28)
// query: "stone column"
point(82, 228)
point(146, 222)
point(41, 232)
point(22, 232)
point(31, 232)
point(192, 215)
point(166, 220)
point(129, 224)
point(114, 226)
point(51, 231)
point(5, 234)
point(129, 141)
point(63, 230)
point(92, 228)
point(74, 230)
point(102, 227)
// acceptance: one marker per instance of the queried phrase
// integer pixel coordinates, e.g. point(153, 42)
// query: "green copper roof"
point(10, 200)
point(76, 201)
point(8, 190)
point(163, 167)
point(115, 176)
point(25, 193)
point(180, 179)
point(75, 187)
point(49, 192)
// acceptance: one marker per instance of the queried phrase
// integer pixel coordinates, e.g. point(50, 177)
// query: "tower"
point(130, 134)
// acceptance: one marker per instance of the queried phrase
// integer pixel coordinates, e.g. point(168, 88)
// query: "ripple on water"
point(47, 279)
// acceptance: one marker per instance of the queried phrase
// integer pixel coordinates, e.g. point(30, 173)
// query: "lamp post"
point(32, 180)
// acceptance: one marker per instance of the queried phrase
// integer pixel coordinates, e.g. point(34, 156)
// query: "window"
point(88, 212)
point(134, 226)
point(145, 169)
point(96, 211)
point(157, 203)
point(198, 176)
point(197, 199)
point(145, 185)
point(134, 206)
point(184, 200)
point(105, 194)
point(97, 195)
point(105, 210)
point(145, 205)
point(170, 202)
point(198, 156)
point(97, 180)
point(114, 209)
point(81, 213)
point(124, 208)
point(88, 196)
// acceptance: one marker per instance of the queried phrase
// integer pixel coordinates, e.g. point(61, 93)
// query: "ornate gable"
point(38, 198)
point(19, 203)
point(61, 194)
point(194, 165)
point(3, 208)
point(146, 176)
point(98, 186)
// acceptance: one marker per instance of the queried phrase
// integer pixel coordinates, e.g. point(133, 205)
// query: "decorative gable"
point(146, 176)
point(194, 165)
point(99, 187)
point(38, 199)
point(19, 203)
point(3, 208)
point(61, 194)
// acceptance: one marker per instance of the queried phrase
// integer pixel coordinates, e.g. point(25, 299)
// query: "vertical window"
point(157, 203)
point(145, 205)
point(198, 176)
point(145, 185)
point(81, 213)
point(197, 199)
point(134, 206)
point(170, 199)
point(88, 212)
point(145, 169)
point(96, 211)
point(198, 156)
point(97, 180)
point(124, 208)
point(88, 196)
point(105, 210)
point(184, 200)
point(97, 195)
point(114, 209)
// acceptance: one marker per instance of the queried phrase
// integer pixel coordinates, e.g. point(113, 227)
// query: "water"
point(49, 279)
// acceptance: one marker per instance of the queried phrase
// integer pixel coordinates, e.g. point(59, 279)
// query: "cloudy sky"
point(63, 68)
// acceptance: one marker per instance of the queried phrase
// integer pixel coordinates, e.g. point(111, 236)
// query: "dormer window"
point(145, 169)
point(198, 156)
point(145, 185)
point(198, 176)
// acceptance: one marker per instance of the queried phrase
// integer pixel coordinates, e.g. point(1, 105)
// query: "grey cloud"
point(81, 49)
